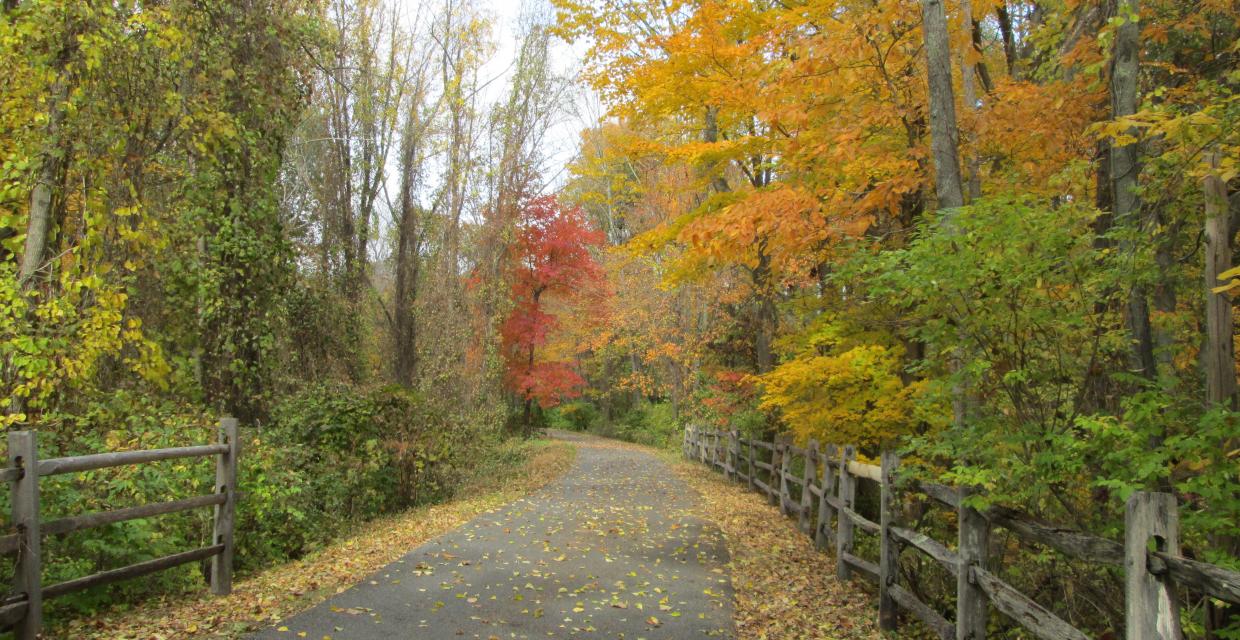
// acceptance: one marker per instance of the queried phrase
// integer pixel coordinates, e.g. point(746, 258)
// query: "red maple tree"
point(550, 256)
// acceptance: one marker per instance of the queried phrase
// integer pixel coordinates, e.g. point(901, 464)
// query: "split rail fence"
point(825, 508)
point(23, 609)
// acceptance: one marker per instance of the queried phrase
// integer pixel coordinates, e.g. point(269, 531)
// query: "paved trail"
point(608, 551)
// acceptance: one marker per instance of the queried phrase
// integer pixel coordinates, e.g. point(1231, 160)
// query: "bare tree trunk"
point(409, 240)
point(710, 133)
point(944, 145)
point(42, 196)
point(406, 292)
point(1009, 38)
point(528, 427)
point(1124, 170)
point(944, 135)
point(455, 75)
point(764, 334)
point(983, 73)
point(967, 71)
point(1218, 358)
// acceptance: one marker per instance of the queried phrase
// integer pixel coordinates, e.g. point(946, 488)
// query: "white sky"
point(563, 139)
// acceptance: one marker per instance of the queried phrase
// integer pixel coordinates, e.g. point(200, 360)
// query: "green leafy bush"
point(651, 424)
point(330, 457)
point(648, 423)
point(574, 416)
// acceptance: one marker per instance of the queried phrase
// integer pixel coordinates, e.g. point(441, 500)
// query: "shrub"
point(330, 457)
point(574, 416)
point(652, 424)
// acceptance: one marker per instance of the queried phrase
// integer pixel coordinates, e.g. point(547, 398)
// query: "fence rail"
point(23, 609)
point(825, 509)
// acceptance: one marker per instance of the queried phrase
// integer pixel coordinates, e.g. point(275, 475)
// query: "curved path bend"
point(610, 550)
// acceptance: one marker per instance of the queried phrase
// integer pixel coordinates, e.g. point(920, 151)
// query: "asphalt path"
point(611, 550)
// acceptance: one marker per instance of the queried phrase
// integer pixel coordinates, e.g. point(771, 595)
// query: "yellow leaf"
point(1230, 273)
point(1227, 287)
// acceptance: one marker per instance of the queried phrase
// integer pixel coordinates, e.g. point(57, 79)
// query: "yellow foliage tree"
point(845, 387)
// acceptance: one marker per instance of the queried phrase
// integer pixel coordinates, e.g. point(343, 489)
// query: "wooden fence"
point(23, 610)
point(825, 509)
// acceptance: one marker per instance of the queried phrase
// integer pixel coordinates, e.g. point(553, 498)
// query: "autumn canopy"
point(997, 236)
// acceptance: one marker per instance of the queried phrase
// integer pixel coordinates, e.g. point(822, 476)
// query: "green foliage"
point(649, 423)
point(1117, 448)
point(331, 457)
point(577, 415)
point(124, 421)
point(1014, 305)
point(728, 400)
point(1009, 290)
point(178, 282)
point(652, 424)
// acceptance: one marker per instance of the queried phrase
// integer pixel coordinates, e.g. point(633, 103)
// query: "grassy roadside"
point(515, 470)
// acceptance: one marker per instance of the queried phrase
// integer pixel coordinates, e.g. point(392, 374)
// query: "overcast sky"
point(563, 139)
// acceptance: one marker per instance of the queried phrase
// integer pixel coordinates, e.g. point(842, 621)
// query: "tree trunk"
point(1123, 171)
point(967, 71)
point(39, 224)
point(944, 135)
point(763, 354)
point(710, 133)
point(767, 318)
point(1009, 38)
point(944, 147)
point(405, 295)
point(983, 73)
point(528, 426)
point(408, 253)
point(1218, 358)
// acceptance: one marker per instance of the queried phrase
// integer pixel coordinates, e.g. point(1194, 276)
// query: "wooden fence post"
point(733, 453)
point(844, 530)
point(785, 469)
point(225, 483)
point(822, 530)
point(808, 478)
point(23, 455)
point(972, 608)
point(772, 480)
point(889, 553)
point(1150, 605)
point(749, 463)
